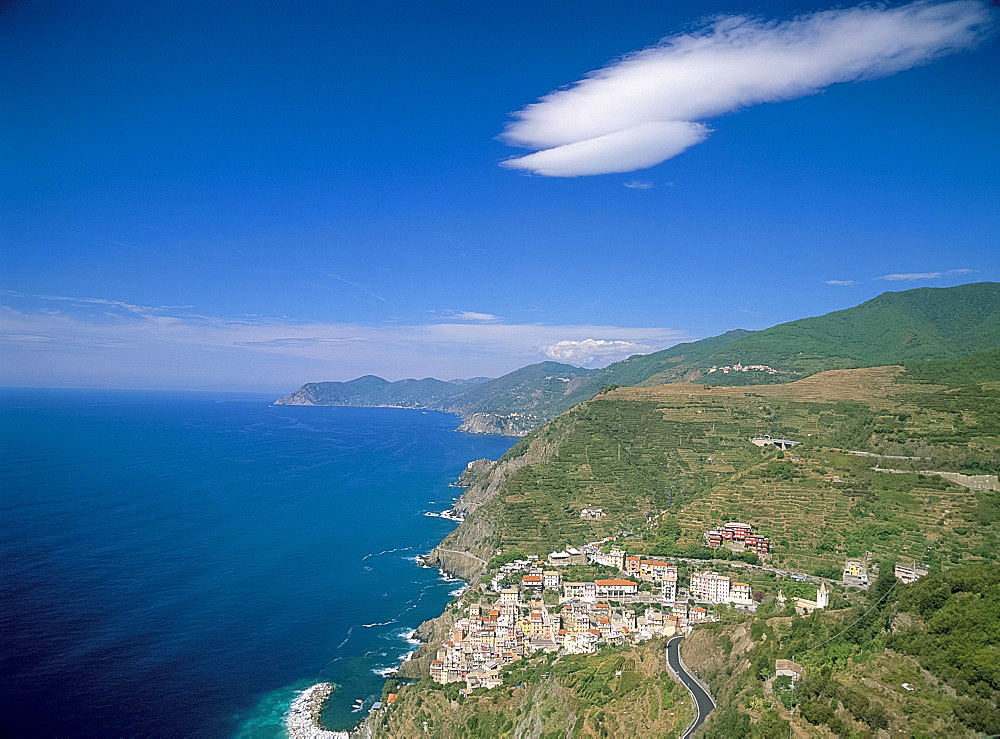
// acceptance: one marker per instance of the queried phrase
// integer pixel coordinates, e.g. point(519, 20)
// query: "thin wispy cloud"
point(842, 283)
point(911, 276)
point(639, 185)
point(105, 342)
point(361, 288)
point(651, 105)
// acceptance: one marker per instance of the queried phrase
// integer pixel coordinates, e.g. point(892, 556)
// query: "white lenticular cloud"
point(593, 352)
point(646, 107)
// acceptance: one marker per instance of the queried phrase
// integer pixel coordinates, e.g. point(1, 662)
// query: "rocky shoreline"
point(482, 480)
point(302, 719)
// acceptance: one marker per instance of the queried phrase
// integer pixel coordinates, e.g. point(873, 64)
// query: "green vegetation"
point(895, 327)
point(666, 463)
point(614, 692)
point(960, 372)
point(939, 636)
point(633, 451)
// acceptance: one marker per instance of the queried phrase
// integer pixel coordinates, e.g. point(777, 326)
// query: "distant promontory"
point(925, 323)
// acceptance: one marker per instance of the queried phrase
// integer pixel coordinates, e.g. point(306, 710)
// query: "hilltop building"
point(787, 668)
point(737, 535)
point(593, 513)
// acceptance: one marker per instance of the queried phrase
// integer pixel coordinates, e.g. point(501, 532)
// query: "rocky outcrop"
point(510, 424)
point(431, 634)
point(302, 396)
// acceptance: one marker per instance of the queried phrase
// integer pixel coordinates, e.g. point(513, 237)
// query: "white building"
point(740, 594)
point(711, 587)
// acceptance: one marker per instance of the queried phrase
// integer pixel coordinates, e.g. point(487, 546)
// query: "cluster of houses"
point(738, 536)
point(511, 622)
point(906, 571)
point(518, 623)
point(740, 367)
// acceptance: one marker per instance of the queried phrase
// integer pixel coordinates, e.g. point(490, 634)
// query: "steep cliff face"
point(432, 633)
point(483, 478)
point(465, 551)
point(510, 424)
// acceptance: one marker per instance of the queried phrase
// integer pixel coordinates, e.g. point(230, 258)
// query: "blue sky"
point(253, 195)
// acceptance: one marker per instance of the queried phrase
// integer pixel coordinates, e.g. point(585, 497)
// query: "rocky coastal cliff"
point(511, 424)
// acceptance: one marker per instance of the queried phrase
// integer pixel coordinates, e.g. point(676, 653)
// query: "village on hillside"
point(529, 606)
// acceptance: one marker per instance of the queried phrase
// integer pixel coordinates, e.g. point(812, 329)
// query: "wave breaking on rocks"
point(302, 719)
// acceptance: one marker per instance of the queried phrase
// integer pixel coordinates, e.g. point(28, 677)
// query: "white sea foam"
point(379, 623)
point(385, 551)
point(386, 671)
point(302, 718)
point(349, 631)
point(407, 636)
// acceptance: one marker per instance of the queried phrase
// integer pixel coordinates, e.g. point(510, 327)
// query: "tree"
point(770, 726)
point(729, 723)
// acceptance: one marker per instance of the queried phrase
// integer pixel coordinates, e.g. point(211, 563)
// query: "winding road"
point(702, 699)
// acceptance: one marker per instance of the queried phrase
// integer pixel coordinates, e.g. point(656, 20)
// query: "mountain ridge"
point(895, 326)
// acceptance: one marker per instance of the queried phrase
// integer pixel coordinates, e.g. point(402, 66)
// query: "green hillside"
point(374, 391)
point(535, 388)
point(910, 660)
point(894, 328)
point(628, 451)
point(913, 660)
point(925, 323)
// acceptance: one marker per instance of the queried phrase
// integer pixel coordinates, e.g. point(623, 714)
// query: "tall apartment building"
point(710, 586)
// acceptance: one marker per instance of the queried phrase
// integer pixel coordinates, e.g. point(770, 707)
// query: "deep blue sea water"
point(179, 564)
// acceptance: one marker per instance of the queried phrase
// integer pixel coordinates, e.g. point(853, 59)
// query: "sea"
point(182, 564)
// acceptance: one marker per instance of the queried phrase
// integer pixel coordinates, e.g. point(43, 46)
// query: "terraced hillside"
point(633, 450)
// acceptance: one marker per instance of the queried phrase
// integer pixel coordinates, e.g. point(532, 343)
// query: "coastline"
point(302, 720)
point(303, 716)
point(479, 481)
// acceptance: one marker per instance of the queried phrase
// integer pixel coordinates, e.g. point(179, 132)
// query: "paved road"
point(702, 700)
